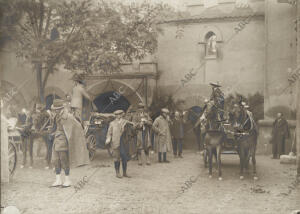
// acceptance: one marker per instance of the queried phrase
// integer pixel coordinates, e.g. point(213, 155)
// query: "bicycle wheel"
point(12, 158)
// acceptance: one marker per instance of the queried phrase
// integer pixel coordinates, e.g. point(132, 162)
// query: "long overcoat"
point(162, 137)
point(77, 149)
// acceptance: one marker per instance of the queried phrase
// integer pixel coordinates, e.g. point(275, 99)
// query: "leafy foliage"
point(80, 34)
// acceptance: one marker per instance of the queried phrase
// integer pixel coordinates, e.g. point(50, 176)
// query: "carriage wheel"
point(12, 158)
point(205, 158)
point(91, 146)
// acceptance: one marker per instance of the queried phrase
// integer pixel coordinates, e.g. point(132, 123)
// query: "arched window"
point(211, 49)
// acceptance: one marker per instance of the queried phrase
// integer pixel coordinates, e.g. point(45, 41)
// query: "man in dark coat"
point(177, 133)
point(280, 133)
point(217, 96)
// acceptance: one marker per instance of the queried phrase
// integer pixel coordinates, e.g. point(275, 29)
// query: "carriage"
point(229, 146)
point(95, 130)
point(14, 144)
point(237, 137)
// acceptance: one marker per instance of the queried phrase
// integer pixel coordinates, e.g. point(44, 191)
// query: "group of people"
point(133, 131)
point(161, 135)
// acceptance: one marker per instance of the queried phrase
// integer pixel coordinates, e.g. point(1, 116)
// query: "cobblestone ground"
point(157, 188)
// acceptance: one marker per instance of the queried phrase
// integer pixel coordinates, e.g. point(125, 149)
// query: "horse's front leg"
point(210, 154)
point(253, 150)
point(242, 161)
point(219, 150)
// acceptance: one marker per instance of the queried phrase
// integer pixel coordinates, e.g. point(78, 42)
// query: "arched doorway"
point(111, 95)
point(111, 101)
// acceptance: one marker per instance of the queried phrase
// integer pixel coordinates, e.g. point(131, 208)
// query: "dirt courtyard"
point(159, 188)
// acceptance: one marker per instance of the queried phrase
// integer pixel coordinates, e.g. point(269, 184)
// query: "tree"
point(43, 34)
point(81, 35)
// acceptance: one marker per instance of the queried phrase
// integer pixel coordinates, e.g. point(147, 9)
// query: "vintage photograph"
point(150, 106)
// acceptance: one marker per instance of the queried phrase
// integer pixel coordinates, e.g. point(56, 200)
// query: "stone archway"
point(110, 95)
point(130, 92)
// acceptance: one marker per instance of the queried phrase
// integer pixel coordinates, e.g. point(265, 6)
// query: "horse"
point(214, 136)
point(246, 138)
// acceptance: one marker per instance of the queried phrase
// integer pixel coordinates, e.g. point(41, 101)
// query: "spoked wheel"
point(91, 146)
point(205, 158)
point(12, 158)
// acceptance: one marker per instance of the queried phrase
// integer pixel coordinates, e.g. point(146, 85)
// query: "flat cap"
point(165, 110)
point(215, 84)
point(117, 112)
point(141, 105)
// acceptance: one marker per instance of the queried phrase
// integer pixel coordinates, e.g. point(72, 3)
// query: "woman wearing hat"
point(163, 140)
point(78, 93)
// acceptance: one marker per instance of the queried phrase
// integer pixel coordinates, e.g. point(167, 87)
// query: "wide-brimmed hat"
point(165, 110)
point(78, 78)
point(141, 106)
point(57, 104)
point(118, 112)
point(215, 84)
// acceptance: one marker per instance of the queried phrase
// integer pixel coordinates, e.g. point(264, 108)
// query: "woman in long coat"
point(162, 139)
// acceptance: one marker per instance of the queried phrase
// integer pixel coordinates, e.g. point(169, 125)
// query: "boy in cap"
point(163, 140)
point(60, 145)
point(114, 138)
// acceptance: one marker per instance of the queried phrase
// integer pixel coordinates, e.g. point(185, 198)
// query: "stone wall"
point(265, 130)
point(280, 53)
point(239, 67)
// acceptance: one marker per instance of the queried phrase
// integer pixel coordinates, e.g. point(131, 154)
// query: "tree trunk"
point(39, 79)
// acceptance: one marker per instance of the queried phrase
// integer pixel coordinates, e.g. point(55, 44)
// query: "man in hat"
point(143, 129)
point(280, 133)
point(117, 143)
point(163, 140)
point(217, 96)
point(78, 93)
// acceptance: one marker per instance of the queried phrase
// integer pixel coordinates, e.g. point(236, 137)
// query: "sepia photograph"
point(150, 106)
